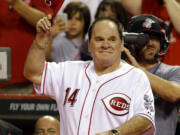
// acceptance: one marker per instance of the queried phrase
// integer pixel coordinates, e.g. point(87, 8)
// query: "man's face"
point(75, 26)
point(105, 44)
point(47, 126)
point(149, 51)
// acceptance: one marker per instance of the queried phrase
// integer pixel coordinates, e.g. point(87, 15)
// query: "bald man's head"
point(47, 125)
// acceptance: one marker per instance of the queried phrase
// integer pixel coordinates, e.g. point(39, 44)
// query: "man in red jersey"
point(17, 30)
point(167, 10)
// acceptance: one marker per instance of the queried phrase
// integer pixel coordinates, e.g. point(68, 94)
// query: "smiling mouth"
point(105, 51)
point(151, 49)
point(72, 29)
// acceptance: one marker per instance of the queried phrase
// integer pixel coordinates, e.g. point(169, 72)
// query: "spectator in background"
point(66, 45)
point(92, 4)
point(114, 9)
point(47, 125)
point(17, 31)
point(108, 8)
point(167, 10)
point(164, 79)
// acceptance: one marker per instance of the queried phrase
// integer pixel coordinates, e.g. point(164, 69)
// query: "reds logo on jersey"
point(148, 23)
point(48, 2)
point(117, 103)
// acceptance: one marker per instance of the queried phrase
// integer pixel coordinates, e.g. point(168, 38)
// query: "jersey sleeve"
point(47, 6)
point(174, 74)
point(144, 101)
point(51, 80)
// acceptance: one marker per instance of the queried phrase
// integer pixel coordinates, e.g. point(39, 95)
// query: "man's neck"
point(148, 65)
point(100, 70)
point(80, 37)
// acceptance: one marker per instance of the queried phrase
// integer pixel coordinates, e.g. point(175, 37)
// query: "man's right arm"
point(167, 90)
point(35, 60)
point(137, 125)
point(173, 9)
point(132, 6)
point(30, 14)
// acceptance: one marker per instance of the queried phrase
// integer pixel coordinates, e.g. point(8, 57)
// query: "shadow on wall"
point(9, 129)
point(178, 128)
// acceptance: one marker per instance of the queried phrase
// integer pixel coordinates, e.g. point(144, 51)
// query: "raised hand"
point(44, 28)
point(130, 59)
point(58, 26)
